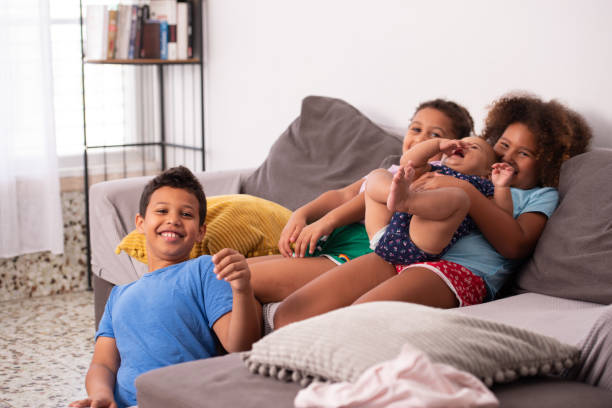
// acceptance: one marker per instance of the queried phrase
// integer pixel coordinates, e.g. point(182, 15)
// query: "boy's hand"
point(449, 146)
point(95, 402)
point(501, 175)
point(231, 266)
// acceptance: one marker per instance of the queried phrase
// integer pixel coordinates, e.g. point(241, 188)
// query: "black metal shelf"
point(197, 59)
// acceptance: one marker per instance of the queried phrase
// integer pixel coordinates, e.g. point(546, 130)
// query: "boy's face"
point(171, 226)
point(476, 159)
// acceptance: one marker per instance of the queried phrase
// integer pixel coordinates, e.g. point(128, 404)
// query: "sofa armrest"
point(113, 206)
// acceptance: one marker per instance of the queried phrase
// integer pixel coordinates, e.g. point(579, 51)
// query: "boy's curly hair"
point(561, 132)
point(176, 177)
point(463, 124)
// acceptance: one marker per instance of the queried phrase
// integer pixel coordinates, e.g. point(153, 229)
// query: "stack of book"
point(157, 29)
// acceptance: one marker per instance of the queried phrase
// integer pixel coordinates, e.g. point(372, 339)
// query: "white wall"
point(386, 56)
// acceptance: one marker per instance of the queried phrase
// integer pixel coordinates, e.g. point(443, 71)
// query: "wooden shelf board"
point(144, 61)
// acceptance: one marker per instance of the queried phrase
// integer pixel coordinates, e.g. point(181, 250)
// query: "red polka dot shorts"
point(469, 288)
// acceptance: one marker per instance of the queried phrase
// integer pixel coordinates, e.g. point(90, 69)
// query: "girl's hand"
point(433, 180)
point(290, 234)
point(231, 266)
point(95, 402)
point(310, 235)
point(502, 173)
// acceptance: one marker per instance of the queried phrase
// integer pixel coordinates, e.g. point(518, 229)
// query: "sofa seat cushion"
point(226, 382)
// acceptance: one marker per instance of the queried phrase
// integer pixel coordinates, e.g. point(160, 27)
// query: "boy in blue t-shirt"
point(176, 311)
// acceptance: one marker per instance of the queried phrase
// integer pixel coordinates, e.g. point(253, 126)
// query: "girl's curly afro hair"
point(561, 133)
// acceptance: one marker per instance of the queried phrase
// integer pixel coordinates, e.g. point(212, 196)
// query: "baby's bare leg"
point(436, 216)
point(377, 215)
point(436, 213)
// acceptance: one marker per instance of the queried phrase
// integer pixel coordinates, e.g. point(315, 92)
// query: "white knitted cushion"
point(340, 345)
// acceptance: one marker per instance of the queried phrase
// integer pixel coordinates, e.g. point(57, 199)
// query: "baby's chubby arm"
point(240, 328)
point(420, 153)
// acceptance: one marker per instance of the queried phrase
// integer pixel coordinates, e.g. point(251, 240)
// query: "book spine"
point(189, 29)
point(123, 32)
point(163, 39)
point(112, 33)
point(150, 40)
point(172, 52)
point(138, 37)
point(144, 20)
point(133, 26)
point(181, 31)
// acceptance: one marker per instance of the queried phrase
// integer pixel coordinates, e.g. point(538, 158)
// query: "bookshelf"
point(162, 144)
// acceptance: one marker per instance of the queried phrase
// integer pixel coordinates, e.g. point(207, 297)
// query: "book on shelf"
point(163, 39)
point(182, 30)
point(112, 33)
point(165, 10)
point(151, 36)
point(158, 29)
point(96, 31)
point(133, 27)
point(122, 47)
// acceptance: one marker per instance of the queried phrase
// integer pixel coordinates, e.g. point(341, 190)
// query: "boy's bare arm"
point(240, 328)
point(101, 376)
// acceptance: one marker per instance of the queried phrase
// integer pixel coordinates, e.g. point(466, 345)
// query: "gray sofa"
point(564, 290)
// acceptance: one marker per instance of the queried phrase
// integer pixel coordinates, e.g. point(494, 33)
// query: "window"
point(104, 91)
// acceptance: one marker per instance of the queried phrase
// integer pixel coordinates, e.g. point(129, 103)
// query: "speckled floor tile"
point(46, 345)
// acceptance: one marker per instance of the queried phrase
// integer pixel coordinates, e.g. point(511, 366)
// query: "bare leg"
point(377, 215)
point(414, 285)
point(263, 258)
point(436, 213)
point(275, 279)
point(337, 288)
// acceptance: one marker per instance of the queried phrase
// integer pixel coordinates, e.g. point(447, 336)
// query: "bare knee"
point(458, 200)
point(377, 184)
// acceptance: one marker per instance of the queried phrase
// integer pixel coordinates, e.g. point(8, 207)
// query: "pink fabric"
point(409, 381)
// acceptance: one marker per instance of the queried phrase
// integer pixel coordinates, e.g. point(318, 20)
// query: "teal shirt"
point(475, 253)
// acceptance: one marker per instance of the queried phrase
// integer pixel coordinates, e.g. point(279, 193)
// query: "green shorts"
point(343, 244)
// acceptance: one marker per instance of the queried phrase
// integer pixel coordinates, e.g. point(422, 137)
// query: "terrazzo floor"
point(46, 344)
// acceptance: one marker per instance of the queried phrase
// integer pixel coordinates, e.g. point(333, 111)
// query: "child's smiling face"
point(171, 226)
point(518, 147)
point(426, 124)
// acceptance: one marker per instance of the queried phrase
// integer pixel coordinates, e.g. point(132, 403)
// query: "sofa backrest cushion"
point(329, 146)
point(573, 258)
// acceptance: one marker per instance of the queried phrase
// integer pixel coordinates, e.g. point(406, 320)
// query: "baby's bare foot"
point(399, 191)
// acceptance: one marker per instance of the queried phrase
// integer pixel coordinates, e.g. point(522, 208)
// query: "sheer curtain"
point(30, 208)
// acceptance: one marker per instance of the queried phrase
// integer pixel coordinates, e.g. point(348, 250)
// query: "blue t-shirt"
point(475, 253)
point(164, 318)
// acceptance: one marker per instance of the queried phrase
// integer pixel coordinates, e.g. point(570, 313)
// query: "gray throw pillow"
point(573, 258)
point(329, 146)
point(341, 345)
